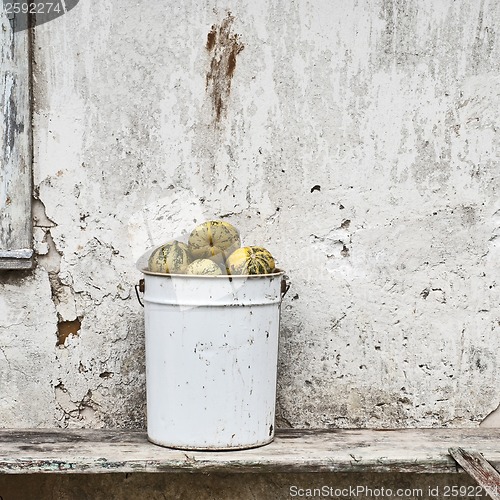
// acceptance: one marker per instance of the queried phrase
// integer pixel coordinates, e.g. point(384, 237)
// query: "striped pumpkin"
point(205, 267)
point(250, 260)
point(171, 258)
point(214, 239)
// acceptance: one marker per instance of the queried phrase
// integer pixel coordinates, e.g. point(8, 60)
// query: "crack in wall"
point(12, 367)
point(74, 410)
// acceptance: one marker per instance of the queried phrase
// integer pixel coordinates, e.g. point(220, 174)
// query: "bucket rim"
point(277, 272)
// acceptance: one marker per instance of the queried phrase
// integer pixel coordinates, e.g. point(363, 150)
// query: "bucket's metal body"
point(211, 359)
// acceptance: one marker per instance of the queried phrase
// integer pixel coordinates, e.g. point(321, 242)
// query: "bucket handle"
point(285, 286)
point(140, 288)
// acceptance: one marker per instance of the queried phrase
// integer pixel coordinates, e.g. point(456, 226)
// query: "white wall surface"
point(142, 128)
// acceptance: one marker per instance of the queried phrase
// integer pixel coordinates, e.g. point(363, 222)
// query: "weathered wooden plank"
point(100, 451)
point(15, 142)
point(480, 469)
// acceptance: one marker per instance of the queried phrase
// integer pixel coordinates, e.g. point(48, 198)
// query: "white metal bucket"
point(211, 359)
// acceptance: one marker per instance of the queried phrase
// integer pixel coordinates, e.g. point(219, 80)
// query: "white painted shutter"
point(16, 150)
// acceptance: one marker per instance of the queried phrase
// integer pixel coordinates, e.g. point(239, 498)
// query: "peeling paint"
point(492, 420)
point(67, 328)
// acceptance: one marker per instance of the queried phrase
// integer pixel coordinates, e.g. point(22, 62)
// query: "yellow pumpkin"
point(214, 239)
point(250, 260)
point(204, 266)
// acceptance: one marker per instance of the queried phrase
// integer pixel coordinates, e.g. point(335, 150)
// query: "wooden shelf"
point(31, 451)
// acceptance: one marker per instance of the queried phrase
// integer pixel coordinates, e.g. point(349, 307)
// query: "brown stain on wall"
point(224, 47)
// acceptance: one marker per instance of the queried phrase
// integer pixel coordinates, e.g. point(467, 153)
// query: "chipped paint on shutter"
point(16, 151)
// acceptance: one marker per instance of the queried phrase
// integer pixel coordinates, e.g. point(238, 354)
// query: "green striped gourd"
point(205, 267)
point(214, 239)
point(171, 258)
point(250, 260)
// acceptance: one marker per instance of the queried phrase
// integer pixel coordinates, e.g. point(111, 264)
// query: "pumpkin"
point(214, 239)
point(250, 260)
point(171, 258)
point(203, 266)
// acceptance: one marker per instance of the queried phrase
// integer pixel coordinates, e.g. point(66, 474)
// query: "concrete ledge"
point(31, 451)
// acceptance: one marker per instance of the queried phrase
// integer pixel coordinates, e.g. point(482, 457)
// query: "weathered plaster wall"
point(358, 141)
